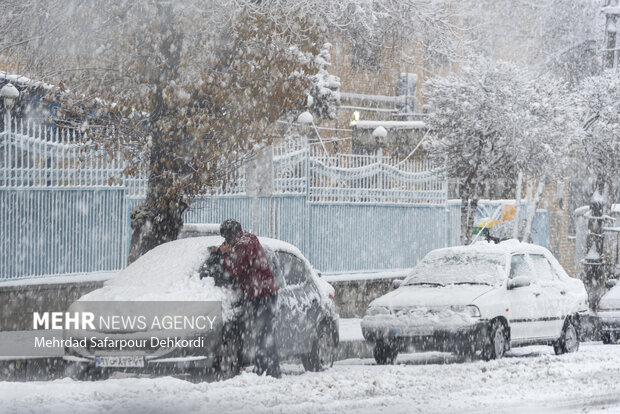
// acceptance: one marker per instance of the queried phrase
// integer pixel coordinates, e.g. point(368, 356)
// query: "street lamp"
point(305, 118)
point(9, 94)
point(379, 134)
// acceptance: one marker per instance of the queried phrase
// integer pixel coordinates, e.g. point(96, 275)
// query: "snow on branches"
point(598, 100)
point(495, 120)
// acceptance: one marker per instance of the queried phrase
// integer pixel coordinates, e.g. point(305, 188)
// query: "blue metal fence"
point(61, 230)
point(344, 212)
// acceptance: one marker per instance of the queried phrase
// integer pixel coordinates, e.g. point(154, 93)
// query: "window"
point(293, 269)
point(519, 267)
point(542, 268)
point(276, 270)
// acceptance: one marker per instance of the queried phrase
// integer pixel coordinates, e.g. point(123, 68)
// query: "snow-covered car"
point(609, 315)
point(479, 300)
point(306, 322)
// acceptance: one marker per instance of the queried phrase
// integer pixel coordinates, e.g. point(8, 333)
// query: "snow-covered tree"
point(324, 89)
point(598, 99)
point(549, 129)
point(493, 120)
point(560, 35)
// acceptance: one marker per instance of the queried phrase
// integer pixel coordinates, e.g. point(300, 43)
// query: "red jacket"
point(247, 264)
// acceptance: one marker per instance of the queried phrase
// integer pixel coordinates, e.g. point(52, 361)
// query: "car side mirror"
point(396, 283)
point(519, 281)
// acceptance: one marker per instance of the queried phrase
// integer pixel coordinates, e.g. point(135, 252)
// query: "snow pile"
point(169, 272)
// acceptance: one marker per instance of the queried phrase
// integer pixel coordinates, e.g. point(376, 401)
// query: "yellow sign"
point(508, 212)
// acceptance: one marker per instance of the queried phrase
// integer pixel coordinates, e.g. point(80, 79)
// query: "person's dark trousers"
point(263, 312)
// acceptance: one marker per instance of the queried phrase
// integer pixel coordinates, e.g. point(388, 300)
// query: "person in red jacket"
point(245, 261)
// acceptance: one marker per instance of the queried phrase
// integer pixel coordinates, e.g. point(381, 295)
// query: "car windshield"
point(453, 268)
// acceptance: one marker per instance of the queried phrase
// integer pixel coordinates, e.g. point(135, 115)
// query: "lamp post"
point(9, 94)
point(306, 120)
point(379, 134)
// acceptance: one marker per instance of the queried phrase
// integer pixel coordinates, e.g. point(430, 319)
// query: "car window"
point(448, 267)
point(542, 268)
point(293, 269)
point(519, 267)
point(275, 268)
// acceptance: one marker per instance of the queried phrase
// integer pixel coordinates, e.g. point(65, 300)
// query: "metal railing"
point(65, 205)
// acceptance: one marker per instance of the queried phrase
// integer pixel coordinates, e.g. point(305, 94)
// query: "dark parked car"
point(306, 325)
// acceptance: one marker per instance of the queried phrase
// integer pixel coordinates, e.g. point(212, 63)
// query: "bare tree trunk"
point(473, 205)
point(160, 218)
point(515, 230)
point(531, 211)
point(464, 218)
point(594, 270)
point(153, 226)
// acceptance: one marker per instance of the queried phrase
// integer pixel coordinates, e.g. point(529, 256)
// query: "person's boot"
point(274, 371)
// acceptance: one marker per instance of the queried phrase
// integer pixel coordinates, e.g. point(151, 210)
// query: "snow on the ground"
point(529, 380)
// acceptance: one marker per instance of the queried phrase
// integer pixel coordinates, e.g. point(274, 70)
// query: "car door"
point(283, 318)
point(295, 304)
point(527, 303)
point(554, 291)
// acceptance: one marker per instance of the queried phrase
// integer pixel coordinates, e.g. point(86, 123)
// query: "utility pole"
point(595, 272)
point(612, 12)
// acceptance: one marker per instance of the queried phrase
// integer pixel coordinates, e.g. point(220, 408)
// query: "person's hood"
point(431, 296)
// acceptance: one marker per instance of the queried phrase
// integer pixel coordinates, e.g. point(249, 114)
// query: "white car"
point(609, 315)
point(480, 299)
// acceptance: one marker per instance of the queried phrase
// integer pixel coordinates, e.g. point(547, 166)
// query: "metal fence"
point(65, 207)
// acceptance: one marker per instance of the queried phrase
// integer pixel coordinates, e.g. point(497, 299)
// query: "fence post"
point(447, 214)
point(308, 219)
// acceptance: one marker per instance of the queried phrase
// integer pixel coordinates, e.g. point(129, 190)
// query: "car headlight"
point(377, 310)
point(471, 310)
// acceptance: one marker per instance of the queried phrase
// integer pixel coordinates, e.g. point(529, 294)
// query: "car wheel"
point(569, 340)
point(84, 372)
point(496, 343)
point(322, 355)
point(228, 361)
point(385, 353)
point(609, 338)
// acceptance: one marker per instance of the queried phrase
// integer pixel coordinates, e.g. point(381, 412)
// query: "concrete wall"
point(18, 302)
point(353, 297)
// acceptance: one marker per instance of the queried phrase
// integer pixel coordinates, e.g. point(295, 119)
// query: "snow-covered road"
point(529, 380)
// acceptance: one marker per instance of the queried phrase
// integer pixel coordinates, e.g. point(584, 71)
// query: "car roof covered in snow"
point(483, 247)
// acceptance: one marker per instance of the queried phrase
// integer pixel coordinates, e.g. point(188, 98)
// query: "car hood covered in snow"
point(431, 296)
point(169, 272)
point(611, 300)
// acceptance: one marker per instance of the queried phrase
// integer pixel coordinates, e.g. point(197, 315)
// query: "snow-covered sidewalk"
point(529, 380)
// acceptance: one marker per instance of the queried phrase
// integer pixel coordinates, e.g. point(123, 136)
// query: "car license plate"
point(120, 362)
